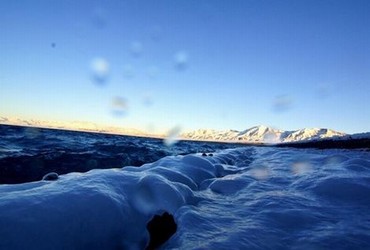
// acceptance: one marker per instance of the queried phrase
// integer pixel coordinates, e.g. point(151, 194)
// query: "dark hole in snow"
point(50, 177)
point(161, 228)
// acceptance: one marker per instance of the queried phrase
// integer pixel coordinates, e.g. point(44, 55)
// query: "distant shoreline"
point(158, 137)
point(360, 143)
point(82, 130)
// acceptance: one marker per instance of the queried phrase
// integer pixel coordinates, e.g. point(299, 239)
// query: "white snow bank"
point(246, 198)
point(101, 209)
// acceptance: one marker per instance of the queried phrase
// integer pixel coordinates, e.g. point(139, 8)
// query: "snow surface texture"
point(246, 198)
point(262, 134)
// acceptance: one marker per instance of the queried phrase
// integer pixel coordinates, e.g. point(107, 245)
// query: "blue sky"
point(193, 64)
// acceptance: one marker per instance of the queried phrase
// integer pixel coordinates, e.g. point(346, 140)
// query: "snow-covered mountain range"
point(262, 134)
point(257, 134)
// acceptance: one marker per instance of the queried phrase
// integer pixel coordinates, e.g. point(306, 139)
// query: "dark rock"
point(161, 228)
point(50, 177)
point(204, 154)
point(210, 154)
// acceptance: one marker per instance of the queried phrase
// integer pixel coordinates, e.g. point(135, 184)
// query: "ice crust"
point(102, 209)
point(217, 201)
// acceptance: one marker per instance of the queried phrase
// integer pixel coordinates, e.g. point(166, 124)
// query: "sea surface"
point(28, 153)
point(232, 198)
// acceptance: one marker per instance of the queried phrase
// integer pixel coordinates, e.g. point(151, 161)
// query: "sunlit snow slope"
point(262, 134)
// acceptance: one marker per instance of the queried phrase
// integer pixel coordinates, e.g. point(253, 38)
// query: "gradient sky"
point(194, 64)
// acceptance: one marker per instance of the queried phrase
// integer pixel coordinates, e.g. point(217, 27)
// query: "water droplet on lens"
point(53, 45)
point(270, 138)
point(32, 133)
point(181, 59)
point(172, 136)
point(153, 72)
point(92, 163)
point(151, 128)
point(143, 199)
point(155, 33)
point(119, 106)
point(147, 100)
point(322, 91)
point(260, 172)
point(302, 167)
point(136, 48)
point(99, 19)
point(100, 70)
point(128, 71)
point(282, 103)
point(334, 160)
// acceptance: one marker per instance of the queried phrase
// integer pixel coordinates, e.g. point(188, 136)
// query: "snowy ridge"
point(102, 209)
point(263, 134)
point(235, 199)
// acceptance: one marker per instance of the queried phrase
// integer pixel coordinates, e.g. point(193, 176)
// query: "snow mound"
point(101, 209)
point(245, 198)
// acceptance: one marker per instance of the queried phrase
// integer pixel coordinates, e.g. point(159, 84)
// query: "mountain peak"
point(262, 134)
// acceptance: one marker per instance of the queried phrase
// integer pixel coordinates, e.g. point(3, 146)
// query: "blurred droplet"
point(128, 71)
point(100, 70)
point(151, 128)
point(172, 136)
point(260, 172)
point(322, 91)
point(32, 133)
point(209, 11)
point(147, 99)
point(53, 45)
point(143, 199)
point(126, 161)
point(119, 106)
point(271, 138)
point(99, 19)
point(181, 59)
point(92, 163)
point(301, 167)
point(282, 103)
point(153, 72)
point(155, 32)
point(335, 159)
point(136, 48)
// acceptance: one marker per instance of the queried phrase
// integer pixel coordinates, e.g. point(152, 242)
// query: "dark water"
point(27, 154)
